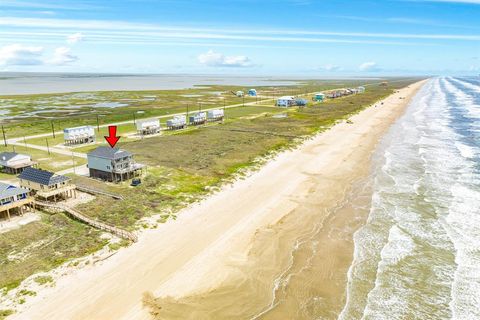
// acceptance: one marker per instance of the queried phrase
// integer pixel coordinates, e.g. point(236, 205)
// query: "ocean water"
point(36, 83)
point(418, 255)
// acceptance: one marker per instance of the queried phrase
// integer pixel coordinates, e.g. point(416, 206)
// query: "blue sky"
point(283, 37)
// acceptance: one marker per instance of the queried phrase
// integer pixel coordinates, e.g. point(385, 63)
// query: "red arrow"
point(112, 138)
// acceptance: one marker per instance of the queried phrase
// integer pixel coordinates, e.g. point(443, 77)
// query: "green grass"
point(53, 162)
point(5, 313)
point(166, 102)
point(183, 167)
point(43, 245)
point(42, 280)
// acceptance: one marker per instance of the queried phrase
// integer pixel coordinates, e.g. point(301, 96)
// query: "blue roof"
point(7, 190)
point(43, 177)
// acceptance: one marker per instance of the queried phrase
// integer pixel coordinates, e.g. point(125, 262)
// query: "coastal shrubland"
point(183, 167)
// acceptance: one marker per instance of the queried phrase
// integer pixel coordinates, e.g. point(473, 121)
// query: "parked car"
point(136, 182)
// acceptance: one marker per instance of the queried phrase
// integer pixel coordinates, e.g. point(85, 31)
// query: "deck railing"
point(94, 223)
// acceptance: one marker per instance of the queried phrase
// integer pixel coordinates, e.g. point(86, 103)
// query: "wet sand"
point(275, 245)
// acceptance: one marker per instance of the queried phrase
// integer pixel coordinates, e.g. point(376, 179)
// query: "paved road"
point(20, 141)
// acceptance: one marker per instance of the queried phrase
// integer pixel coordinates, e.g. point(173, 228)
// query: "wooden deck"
point(91, 222)
point(21, 205)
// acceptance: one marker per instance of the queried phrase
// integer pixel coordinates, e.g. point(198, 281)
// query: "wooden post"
point(98, 124)
point(8, 214)
point(53, 130)
point(73, 162)
point(48, 147)
point(4, 138)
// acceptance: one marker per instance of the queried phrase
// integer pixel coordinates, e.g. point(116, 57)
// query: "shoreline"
point(216, 234)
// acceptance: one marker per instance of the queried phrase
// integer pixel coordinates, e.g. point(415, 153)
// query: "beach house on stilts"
point(14, 200)
point(113, 164)
point(79, 135)
point(148, 126)
point(15, 163)
point(47, 185)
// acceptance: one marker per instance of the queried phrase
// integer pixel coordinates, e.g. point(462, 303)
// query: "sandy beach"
point(230, 250)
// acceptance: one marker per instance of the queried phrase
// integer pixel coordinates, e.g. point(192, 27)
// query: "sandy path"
point(175, 258)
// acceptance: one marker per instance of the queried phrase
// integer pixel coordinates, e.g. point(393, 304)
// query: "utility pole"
point(48, 147)
point(98, 124)
point(53, 130)
point(134, 120)
point(25, 142)
point(4, 139)
point(187, 119)
point(243, 100)
point(73, 161)
point(224, 113)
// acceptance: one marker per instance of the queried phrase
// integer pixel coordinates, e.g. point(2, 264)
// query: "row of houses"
point(105, 163)
point(344, 92)
point(86, 134)
point(34, 183)
point(290, 101)
point(197, 118)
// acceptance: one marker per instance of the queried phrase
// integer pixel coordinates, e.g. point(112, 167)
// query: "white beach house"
point(14, 163)
point(177, 122)
point(198, 118)
point(286, 101)
point(215, 115)
point(148, 126)
point(79, 135)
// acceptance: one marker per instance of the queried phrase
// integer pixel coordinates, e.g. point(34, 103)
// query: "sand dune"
point(218, 239)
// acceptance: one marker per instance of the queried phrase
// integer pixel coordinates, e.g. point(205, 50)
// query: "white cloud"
point(215, 59)
point(105, 28)
point(46, 5)
point(20, 55)
point(63, 56)
point(369, 66)
point(74, 38)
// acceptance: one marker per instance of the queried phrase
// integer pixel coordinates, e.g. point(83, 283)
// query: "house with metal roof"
point(215, 115)
point(148, 126)
point(177, 122)
point(79, 135)
point(15, 163)
point(198, 118)
point(14, 200)
point(113, 164)
point(47, 185)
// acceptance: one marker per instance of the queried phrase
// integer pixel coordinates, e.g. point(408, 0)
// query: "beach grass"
point(43, 245)
point(183, 167)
